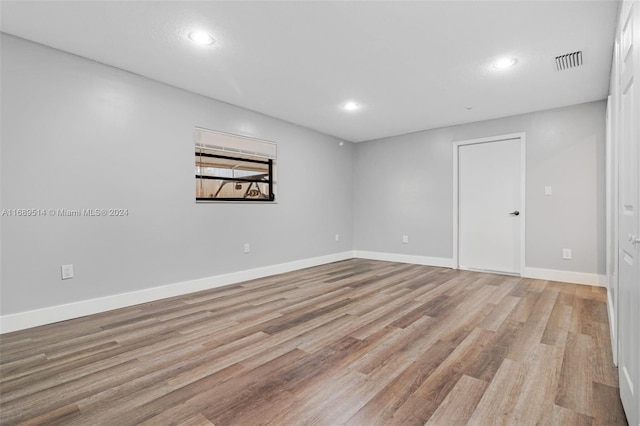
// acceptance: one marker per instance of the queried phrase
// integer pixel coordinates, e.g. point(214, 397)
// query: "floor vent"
point(569, 60)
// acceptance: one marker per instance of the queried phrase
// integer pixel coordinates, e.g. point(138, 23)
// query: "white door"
point(490, 211)
point(629, 217)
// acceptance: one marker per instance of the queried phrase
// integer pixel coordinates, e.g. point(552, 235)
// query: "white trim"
point(611, 213)
point(523, 186)
point(405, 258)
point(565, 276)
point(49, 315)
point(28, 319)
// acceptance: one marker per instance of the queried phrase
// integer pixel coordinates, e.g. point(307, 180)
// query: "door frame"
point(523, 173)
point(611, 216)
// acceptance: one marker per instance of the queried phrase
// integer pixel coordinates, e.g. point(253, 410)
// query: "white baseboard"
point(564, 276)
point(37, 317)
point(34, 318)
point(405, 258)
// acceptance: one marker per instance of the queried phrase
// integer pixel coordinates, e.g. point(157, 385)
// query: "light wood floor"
point(356, 342)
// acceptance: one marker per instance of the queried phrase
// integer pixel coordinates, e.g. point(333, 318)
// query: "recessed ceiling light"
point(504, 63)
point(201, 38)
point(351, 106)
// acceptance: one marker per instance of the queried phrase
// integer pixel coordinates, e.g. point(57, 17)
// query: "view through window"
point(233, 168)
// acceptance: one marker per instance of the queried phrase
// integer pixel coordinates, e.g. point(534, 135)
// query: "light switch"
point(547, 190)
point(67, 272)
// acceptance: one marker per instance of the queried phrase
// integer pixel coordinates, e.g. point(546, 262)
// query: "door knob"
point(634, 239)
point(516, 213)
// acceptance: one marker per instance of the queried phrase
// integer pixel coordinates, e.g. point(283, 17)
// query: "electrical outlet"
point(67, 271)
point(566, 253)
point(247, 248)
point(337, 237)
point(405, 239)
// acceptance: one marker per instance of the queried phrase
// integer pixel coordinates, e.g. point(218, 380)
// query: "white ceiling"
point(413, 65)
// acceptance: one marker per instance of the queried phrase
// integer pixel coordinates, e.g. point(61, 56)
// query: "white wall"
point(78, 134)
point(404, 185)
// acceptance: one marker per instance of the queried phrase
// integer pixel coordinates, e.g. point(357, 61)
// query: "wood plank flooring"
point(357, 342)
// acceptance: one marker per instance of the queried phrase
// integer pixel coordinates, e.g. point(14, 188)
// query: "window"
point(233, 168)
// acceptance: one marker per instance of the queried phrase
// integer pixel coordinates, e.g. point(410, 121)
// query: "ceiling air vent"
point(569, 60)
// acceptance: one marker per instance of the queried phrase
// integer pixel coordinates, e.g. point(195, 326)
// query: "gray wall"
point(404, 185)
point(78, 134)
